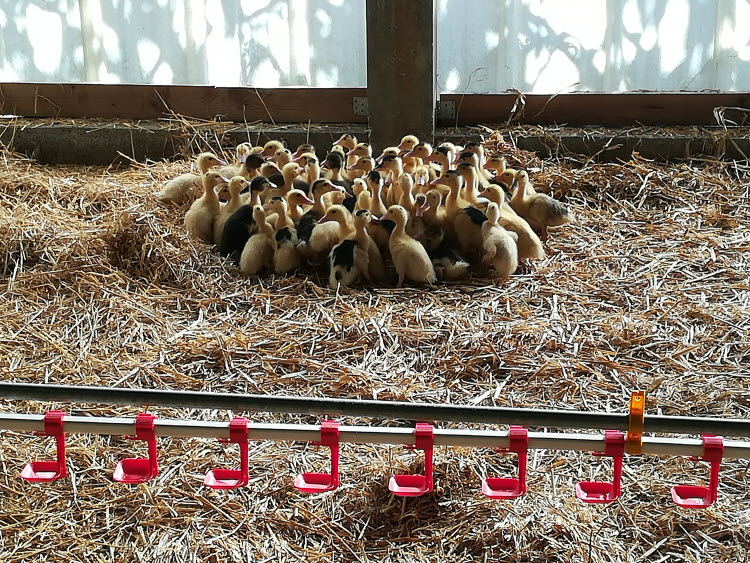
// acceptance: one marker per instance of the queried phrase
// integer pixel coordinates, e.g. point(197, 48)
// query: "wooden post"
point(401, 86)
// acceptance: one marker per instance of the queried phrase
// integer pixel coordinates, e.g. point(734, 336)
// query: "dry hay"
point(101, 286)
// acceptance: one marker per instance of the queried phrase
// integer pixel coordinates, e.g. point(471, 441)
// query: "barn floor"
point(101, 286)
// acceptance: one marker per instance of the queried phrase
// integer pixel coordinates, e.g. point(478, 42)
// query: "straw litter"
point(651, 290)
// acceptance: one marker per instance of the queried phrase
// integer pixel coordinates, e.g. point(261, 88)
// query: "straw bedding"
point(101, 286)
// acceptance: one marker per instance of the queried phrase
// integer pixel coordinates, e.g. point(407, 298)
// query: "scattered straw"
point(101, 286)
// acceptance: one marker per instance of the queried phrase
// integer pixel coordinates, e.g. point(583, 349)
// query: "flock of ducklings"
point(435, 211)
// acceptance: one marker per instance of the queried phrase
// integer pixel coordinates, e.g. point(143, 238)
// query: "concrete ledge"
point(104, 142)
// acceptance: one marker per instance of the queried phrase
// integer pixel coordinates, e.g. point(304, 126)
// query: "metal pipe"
point(546, 418)
point(364, 435)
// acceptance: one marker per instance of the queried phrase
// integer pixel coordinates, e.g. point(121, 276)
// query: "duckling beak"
point(409, 154)
point(323, 219)
point(487, 166)
point(401, 146)
point(272, 185)
point(297, 158)
point(266, 206)
point(227, 180)
point(418, 212)
point(306, 200)
point(351, 152)
point(221, 162)
point(268, 158)
point(354, 166)
point(421, 181)
point(435, 182)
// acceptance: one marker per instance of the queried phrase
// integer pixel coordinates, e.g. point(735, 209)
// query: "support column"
point(401, 85)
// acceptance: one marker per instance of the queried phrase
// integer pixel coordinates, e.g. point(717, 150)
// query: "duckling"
point(497, 164)
point(309, 219)
point(388, 151)
point(285, 255)
point(295, 199)
point(349, 142)
point(345, 269)
point(450, 150)
point(285, 182)
point(406, 146)
point(471, 192)
point(442, 156)
point(362, 167)
point(362, 193)
point(466, 219)
point(178, 190)
point(449, 266)
point(258, 252)
point(499, 245)
point(277, 205)
point(409, 257)
point(241, 152)
point(434, 212)
point(368, 254)
point(311, 168)
point(361, 150)
point(282, 157)
point(237, 229)
point(305, 148)
point(256, 187)
point(478, 150)
point(540, 210)
point(269, 170)
point(335, 226)
point(199, 220)
point(529, 245)
point(236, 185)
point(333, 164)
point(393, 166)
point(270, 148)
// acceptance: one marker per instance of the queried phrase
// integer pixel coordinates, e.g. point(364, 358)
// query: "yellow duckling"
point(199, 220)
point(540, 210)
point(409, 257)
point(179, 190)
point(375, 268)
point(236, 185)
point(499, 244)
point(259, 248)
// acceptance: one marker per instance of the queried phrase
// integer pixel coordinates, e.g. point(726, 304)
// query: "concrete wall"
point(538, 46)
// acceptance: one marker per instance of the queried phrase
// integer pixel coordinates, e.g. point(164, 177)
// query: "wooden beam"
point(401, 92)
point(584, 108)
point(143, 101)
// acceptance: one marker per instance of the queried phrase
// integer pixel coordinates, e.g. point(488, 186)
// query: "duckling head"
point(362, 217)
point(362, 149)
point(333, 161)
point(496, 162)
point(389, 162)
point(397, 214)
point(213, 179)
point(270, 148)
point(493, 213)
point(276, 204)
point(337, 213)
point(363, 163)
point(421, 204)
point(305, 148)
point(506, 178)
point(291, 169)
point(521, 179)
point(298, 197)
point(358, 186)
point(408, 142)
point(322, 186)
point(494, 193)
point(259, 214)
point(449, 178)
point(242, 150)
point(208, 160)
point(253, 161)
point(236, 185)
point(346, 140)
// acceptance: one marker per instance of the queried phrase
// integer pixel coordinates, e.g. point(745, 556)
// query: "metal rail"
point(546, 418)
point(364, 435)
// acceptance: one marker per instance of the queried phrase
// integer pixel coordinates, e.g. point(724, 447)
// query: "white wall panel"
point(538, 46)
